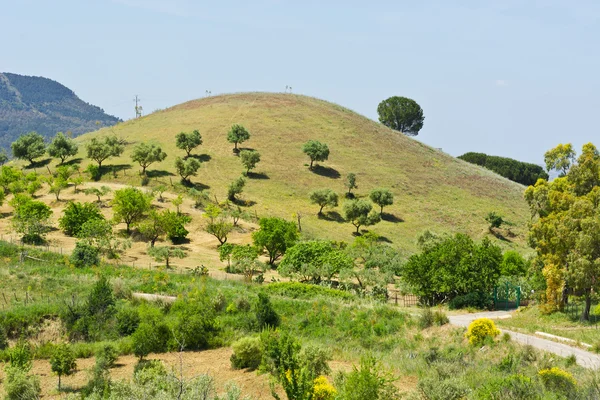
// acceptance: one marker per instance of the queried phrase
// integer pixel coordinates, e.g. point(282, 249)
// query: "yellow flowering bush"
point(323, 390)
point(480, 329)
point(558, 380)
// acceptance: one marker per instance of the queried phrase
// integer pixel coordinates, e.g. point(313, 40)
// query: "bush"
point(128, 320)
point(242, 304)
point(508, 388)
point(76, 214)
point(297, 290)
point(445, 389)
point(477, 300)
point(440, 318)
point(106, 356)
point(265, 314)
point(481, 329)
point(3, 338)
point(94, 172)
point(144, 340)
point(323, 390)
point(316, 360)
point(247, 353)
point(20, 356)
point(556, 379)
point(369, 381)
point(84, 255)
point(426, 318)
point(147, 371)
point(20, 386)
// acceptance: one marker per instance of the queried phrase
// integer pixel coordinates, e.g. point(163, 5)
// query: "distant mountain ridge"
point(29, 103)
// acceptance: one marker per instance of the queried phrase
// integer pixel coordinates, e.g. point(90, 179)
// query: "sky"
point(505, 77)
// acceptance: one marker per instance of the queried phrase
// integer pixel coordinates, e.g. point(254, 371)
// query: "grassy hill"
point(432, 189)
point(30, 103)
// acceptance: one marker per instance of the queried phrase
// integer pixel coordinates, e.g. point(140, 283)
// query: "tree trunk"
point(311, 163)
point(127, 229)
point(59, 383)
point(588, 304)
point(167, 261)
point(152, 242)
point(321, 210)
point(381, 212)
point(357, 228)
point(565, 296)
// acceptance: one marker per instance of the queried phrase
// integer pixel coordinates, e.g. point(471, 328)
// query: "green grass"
point(432, 189)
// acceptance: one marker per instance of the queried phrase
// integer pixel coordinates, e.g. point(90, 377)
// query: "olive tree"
point(130, 206)
point(360, 213)
point(62, 147)
point(275, 236)
point(186, 168)
point(146, 154)
point(324, 198)
point(29, 147)
point(350, 183)
point(316, 151)
point(188, 141)
point(382, 197)
point(63, 361)
point(249, 159)
point(165, 253)
point(236, 188)
point(236, 135)
point(100, 150)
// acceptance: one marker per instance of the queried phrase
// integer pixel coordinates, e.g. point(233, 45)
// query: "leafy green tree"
point(29, 147)
point(360, 213)
point(401, 114)
point(316, 151)
point(244, 260)
point(63, 362)
point(376, 263)
point(154, 226)
point(350, 183)
point(236, 188)
point(130, 205)
point(57, 185)
point(101, 300)
point(560, 159)
point(495, 220)
point(99, 233)
point(147, 154)
point(175, 225)
point(218, 224)
point(98, 192)
point(249, 159)
point(453, 266)
point(75, 214)
point(100, 150)
point(566, 226)
point(62, 147)
point(517, 171)
point(294, 376)
point(9, 175)
point(84, 255)
point(313, 261)
point(165, 253)
point(275, 236)
point(31, 218)
point(324, 198)
point(186, 168)
point(225, 251)
point(177, 202)
point(237, 134)
point(382, 197)
point(188, 141)
point(144, 340)
point(76, 181)
point(3, 157)
point(513, 264)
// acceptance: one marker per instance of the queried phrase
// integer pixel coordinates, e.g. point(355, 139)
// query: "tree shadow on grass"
point(201, 157)
point(74, 161)
point(257, 175)
point(327, 172)
point(243, 203)
point(333, 216)
point(195, 185)
point(384, 239)
point(391, 218)
point(113, 169)
point(39, 164)
point(500, 236)
point(158, 173)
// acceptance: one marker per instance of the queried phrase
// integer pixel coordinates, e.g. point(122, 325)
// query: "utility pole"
point(138, 108)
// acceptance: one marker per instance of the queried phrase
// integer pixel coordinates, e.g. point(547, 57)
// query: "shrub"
point(247, 353)
point(558, 380)
point(440, 318)
point(477, 300)
point(426, 318)
point(369, 381)
point(76, 214)
point(481, 329)
point(128, 320)
point(20, 356)
point(63, 361)
point(3, 338)
point(316, 360)
point(219, 302)
point(94, 172)
point(146, 371)
point(144, 340)
point(323, 390)
point(445, 389)
point(242, 304)
point(84, 255)
point(106, 356)
point(20, 386)
point(265, 314)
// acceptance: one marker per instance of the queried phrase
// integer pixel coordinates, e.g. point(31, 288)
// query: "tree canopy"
point(249, 159)
point(401, 114)
point(100, 150)
point(359, 213)
point(186, 168)
point(62, 147)
point(314, 260)
point(382, 197)
point(29, 147)
point(324, 198)
point(237, 134)
point(316, 151)
point(146, 154)
point(130, 206)
point(188, 141)
point(275, 236)
point(517, 171)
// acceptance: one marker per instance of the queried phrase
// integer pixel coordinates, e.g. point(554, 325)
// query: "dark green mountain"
point(29, 103)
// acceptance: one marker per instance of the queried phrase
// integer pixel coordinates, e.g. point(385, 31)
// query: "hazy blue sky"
point(505, 77)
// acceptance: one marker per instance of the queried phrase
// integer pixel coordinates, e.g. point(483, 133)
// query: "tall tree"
point(275, 235)
point(560, 158)
point(62, 147)
point(401, 114)
point(249, 159)
point(146, 154)
point(324, 198)
point(100, 150)
point(188, 141)
point(29, 147)
point(218, 225)
point(565, 230)
point(382, 197)
point(186, 168)
point(359, 213)
point(236, 135)
point(130, 206)
point(316, 151)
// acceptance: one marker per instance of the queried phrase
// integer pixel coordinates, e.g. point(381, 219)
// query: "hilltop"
point(433, 190)
point(29, 103)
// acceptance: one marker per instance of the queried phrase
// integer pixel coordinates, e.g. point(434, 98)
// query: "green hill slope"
point(30, 103)
point(432, 189)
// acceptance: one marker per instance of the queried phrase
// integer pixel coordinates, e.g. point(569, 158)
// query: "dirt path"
point(584, 358)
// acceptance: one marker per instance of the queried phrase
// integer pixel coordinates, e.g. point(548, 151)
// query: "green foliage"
point(75, 214)
point(478, 300)
point(20, 386)
point(297, 290)
point(128, 320)
point(350, 183)
point(494, 220)
point(517, 171)
point(560, 159)
point(316, 151)
point(513, 264)
point(94, 172)
point(453, 266)
point(382, 197)
point(130, 206)
point(236, 188)
point(62, 147)
point(175, 225)
point(144, 340)
point(98, 192)
point(316, 360)
point(247, 353)
point(508, 388)
point(443, 388)
point(188, 141)
point(31, 218)
point(401, 114)
point(186, 168)
point(429, 318)
point(3, 338)
point(313, 261)
point(237, 134)
point(84, 255)
point(101, 300)
point(57, 185)
point(359, 213)
point(165, 253)
point(196, 322)
point(249, 159)
point(218, 225)
point(369, 381)
point(100, 150)
point(275, 236)
point(324, 198)
point(154, 226)
point(266, 316)
point(62, 361)
point(481, 329)
point(99, 233)
point(20, 356)
point(558, 380)
point(244, 260)
point(147, 154)
point(3, 157)
point(29, 147)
